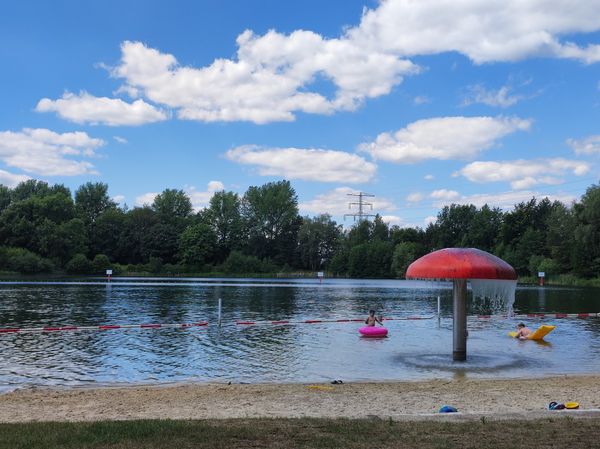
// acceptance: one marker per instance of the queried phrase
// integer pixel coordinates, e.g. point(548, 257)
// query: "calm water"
point(287, 353)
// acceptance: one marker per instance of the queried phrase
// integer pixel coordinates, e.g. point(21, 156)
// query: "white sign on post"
point(541, 274)
point(109, 272)
point(320, 274)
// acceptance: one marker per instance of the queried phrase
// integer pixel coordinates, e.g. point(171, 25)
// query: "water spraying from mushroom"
point(492, 280)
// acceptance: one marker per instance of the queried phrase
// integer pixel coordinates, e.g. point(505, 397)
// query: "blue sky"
point(419, 103)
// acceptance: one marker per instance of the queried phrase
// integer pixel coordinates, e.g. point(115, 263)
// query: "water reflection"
point(282, 353)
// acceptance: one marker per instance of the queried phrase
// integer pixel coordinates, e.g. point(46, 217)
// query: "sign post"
point(541, 275)
point(320, 275)
point(108, 275)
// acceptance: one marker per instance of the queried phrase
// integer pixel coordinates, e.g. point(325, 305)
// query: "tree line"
point(45, 228)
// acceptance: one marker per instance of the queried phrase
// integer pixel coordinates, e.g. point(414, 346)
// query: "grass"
point(302, 433)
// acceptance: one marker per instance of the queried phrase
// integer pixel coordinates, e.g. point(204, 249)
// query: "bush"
point(79, 264)
point(240, 263)
point(101, 263)
point(23, 261)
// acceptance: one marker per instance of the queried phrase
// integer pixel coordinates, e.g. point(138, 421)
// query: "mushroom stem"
point(459, 352)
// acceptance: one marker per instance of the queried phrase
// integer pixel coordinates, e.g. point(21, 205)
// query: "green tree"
point(271, 218)
point(405, 253)
point(91, 200)
point(318, 239)
point(197, 245)
point(172, 206)
point(224, 216)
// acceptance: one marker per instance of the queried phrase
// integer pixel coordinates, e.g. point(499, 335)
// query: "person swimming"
point(523, 331)
point(372, 320)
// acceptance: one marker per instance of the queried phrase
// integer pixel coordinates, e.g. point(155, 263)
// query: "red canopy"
point(460, 263)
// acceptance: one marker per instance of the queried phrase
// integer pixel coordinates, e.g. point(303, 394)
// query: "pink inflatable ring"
point(373, 332)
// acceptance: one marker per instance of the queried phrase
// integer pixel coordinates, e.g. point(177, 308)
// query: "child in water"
point(522, 331)
point(372, 319)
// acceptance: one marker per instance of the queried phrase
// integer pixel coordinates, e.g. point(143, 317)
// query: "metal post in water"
point(459, 299)
point(219, 313)
point(439, 314)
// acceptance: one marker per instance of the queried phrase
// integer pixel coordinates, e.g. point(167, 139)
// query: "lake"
point(414, 349)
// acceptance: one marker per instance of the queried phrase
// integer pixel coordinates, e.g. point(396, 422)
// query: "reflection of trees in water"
point(557, 299)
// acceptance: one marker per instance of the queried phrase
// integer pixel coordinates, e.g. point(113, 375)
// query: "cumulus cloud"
point(589, 145)
point(414, 197)
point(145, 199)
point(120, 139)
point(201, 199)
point(305, 164)
point(272, 76)
point(444, 194)
point(505, 200)
point(393, 220)
point(45, 152)
point(428, 177)
point(11, 179)
point(523, 174)
point(335, 203)
point(270, 80)
point(494, 30)
point(86, 108)
point(429, 219)
point(118, 198)
point(443, 138)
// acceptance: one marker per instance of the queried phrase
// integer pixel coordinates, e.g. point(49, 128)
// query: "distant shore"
point(398, 400)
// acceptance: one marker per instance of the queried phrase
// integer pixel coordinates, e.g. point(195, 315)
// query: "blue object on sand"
point(448, 409)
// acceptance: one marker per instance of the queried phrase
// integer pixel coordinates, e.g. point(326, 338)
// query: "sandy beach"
point(398, 400)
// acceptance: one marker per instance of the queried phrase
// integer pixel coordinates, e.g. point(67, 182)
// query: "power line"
point(361, 206)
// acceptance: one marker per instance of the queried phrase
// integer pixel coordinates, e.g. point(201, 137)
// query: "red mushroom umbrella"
point(460, 265)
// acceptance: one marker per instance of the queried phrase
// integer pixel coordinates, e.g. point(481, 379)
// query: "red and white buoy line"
point(108, 327)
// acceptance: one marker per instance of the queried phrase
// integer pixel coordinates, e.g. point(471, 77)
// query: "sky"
point(419, 103)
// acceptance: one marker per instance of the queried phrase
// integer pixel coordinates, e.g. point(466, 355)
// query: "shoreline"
point(402, 400)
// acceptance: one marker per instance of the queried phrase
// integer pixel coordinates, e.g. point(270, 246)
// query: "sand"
point(496, 399)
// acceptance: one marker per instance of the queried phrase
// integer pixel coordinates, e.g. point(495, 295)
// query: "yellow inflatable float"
point(539, 334)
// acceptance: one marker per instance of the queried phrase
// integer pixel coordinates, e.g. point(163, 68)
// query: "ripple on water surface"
point(276, 353)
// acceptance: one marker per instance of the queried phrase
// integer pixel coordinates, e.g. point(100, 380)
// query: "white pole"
point(439, 308)
point(219, 313)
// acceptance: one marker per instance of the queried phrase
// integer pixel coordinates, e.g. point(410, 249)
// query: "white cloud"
point(11, 179)
point(45, 152)
point(414, 197)
point(119, 198)
point(428, 177)
point(497, 98)
point(589, 145)
point(429, 219)
point(120, 139)
point(146, 199)
point(393, 220)
point(523, 174)
point(200, 199)
point(493, 30)
point(306, 164)
point(421, 99)
point(444, 194)
point(506, 200)
point(272, 76)
point(443, 138)
point(335, 203)
point(270, 80)
point(85, 108)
